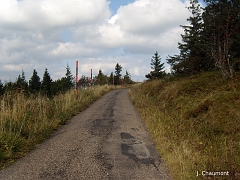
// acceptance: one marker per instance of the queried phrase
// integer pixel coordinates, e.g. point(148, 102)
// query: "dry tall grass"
point(195, 123)
point(26, 121)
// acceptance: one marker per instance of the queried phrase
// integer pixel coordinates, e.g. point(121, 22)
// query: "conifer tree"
point(69, 78)
point(34, 82)
point(157, 68)
point(127, 78)
point(111, 79)
point(46, 84)
point(117, 77)
point(21, 82)
point(192, 58)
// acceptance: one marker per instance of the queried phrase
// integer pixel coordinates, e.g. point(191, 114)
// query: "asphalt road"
point(106, 141)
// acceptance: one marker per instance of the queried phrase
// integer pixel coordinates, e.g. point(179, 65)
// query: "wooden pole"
point(76, 77)
point(91, 78)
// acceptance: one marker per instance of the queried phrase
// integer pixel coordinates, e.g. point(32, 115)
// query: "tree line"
point(46, 87)
point(50, 88)
point(115, 78)
point(211, 41)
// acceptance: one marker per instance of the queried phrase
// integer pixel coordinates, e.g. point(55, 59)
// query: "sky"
point(39, 34)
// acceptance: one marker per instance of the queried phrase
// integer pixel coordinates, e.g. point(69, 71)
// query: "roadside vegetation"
point(193, 112)
point(31, 111)
point(194, 121)
point(27, 121)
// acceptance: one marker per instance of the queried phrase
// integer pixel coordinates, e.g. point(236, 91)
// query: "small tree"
point(157, 68)
point(111, 78)
point(21, 82)
point(101, 78)
point(117, 78)
point(69, 78)
point(127, 78)
point(34, 82)
point(46, 84)
point(84, 82)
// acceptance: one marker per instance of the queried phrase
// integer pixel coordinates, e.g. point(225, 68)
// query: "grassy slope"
point(195, 122)
point(27, 121)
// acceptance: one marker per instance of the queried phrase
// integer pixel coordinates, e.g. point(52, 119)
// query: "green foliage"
point(117, 77)
point(34, 83)
point(64, 84)
point(221, 34)
point(192, 58)
point(211, 40)
point(69, 79)
point(46, 84)
point(100, 79)
point(21, 82)
point(50, 88)
point(157, 68)
point(84, 82)
point(111, 78)
point(127, 78)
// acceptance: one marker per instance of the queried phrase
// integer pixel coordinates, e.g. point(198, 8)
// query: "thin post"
point(98, 77)
point(76, 77)
point(91, 78)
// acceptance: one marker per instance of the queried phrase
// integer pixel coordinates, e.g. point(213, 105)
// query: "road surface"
point(106, 141)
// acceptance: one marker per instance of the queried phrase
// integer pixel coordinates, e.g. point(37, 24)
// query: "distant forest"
point(48, 87)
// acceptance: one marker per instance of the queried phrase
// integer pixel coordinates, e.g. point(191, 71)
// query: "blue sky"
point(51, 34)
point(115, 4)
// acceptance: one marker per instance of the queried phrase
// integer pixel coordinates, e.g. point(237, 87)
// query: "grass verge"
point(27, 121)
point(195, 123)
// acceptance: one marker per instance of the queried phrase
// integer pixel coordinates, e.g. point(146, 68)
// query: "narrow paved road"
point(106, 141)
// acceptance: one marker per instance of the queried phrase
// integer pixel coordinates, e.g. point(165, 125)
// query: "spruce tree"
point(117, 77)
point(34, 82)
point(21, 82)
point(127, 78)
point(157, 68)
point(192, 58)
point(69, 78)
point(46, 84)
point(111, 79)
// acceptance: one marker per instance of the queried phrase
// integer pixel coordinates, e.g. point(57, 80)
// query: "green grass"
point(194, 121)
point(27, 121)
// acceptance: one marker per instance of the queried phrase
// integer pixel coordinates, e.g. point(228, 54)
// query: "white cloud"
point(43, 14)
point(151, 17)
point(144, 27)
point(38, 34)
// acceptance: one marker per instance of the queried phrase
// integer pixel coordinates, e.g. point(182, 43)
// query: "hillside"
point(195, 123)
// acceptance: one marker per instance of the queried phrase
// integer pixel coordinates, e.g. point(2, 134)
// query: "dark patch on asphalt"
point(102, 127)
point(126, 136)
point(55, 173)
point(136, 150)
